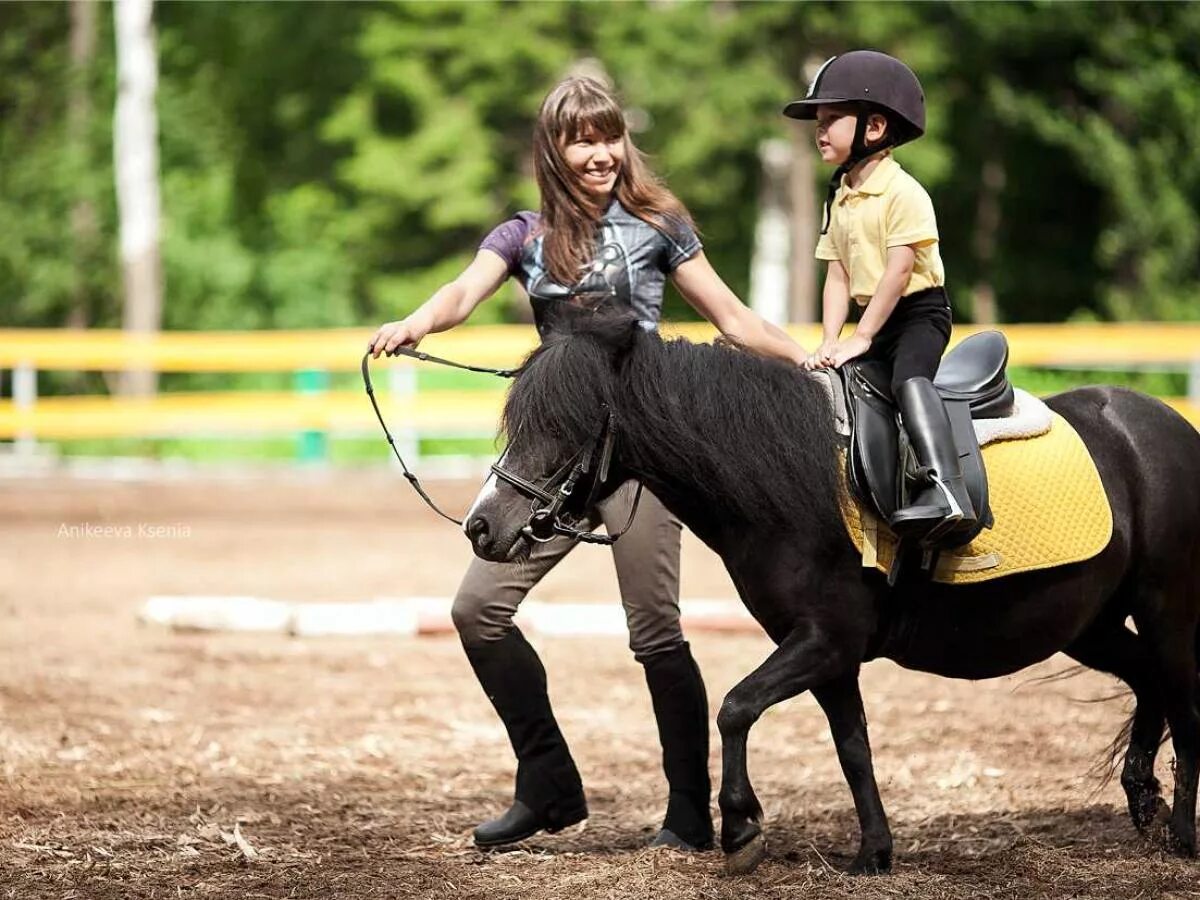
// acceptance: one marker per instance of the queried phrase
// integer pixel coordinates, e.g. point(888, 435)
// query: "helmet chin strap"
point(858, 152)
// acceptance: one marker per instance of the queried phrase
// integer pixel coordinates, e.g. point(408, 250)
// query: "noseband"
point(545, 521)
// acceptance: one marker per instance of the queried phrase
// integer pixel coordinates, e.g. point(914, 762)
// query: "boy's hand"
point(822, 357)
point(853, 346)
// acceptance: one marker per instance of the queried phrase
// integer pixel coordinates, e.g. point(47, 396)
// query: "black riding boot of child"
point(943, 501)
point(681, 709)
point(549, 794)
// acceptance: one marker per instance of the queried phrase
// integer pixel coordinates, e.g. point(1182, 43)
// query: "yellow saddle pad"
point(1048, 501)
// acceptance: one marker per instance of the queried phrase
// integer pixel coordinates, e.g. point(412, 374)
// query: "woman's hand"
point(392, 335)
point(822, 357)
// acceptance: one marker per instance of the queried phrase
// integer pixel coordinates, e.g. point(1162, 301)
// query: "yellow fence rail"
point(339, 350)
point(28, 418)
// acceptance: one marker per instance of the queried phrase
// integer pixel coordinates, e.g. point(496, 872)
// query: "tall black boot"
point(549, 794)
point(681, 709)
point(943, 499)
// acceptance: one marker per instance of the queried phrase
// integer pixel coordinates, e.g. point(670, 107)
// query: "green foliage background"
point(331, 164)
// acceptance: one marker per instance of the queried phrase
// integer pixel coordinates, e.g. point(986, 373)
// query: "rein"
point(545, 523)
point(423, 357)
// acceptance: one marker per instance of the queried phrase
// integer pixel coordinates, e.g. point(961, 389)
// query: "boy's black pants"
point(914, 337)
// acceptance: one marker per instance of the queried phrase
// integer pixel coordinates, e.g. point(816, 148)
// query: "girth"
point(972, 383)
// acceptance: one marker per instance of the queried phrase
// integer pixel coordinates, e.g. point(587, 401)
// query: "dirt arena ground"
point(136, 762)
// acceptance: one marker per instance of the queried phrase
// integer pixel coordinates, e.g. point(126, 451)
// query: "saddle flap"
point(874, 444)
point(875, 465)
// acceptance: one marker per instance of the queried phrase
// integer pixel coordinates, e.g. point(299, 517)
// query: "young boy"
point(880, 240)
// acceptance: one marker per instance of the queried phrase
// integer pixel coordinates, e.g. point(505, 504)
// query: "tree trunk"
point(136, 163)
point(803, 306)
point(987, 224)
point(84, 226)
point(769, 264)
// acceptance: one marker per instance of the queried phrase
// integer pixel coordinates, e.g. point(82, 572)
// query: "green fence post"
point(312, 446)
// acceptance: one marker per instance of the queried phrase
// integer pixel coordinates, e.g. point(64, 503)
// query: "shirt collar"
point(879, 179)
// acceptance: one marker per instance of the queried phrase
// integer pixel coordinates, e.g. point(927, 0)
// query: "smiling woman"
point(608, 235)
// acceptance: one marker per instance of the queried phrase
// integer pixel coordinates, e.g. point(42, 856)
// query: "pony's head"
point(563, 430)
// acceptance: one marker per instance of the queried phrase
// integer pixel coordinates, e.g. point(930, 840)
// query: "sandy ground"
point(136, 762)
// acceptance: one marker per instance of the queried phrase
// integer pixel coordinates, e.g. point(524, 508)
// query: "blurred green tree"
point(331, 164)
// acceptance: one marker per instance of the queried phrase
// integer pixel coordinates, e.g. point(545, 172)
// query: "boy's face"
point(835, 131)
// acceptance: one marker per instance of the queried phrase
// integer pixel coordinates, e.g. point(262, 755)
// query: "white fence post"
point(24, 389)
point(403, 382)
point(1193, 387)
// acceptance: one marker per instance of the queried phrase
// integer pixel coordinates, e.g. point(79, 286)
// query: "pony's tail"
point(1105, 769)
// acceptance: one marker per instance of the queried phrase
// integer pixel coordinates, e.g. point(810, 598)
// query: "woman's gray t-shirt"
point(632, 262)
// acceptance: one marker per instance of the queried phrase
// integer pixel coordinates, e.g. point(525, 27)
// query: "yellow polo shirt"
point(889, 209)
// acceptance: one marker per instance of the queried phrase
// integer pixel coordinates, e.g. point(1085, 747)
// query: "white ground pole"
point(414, 616)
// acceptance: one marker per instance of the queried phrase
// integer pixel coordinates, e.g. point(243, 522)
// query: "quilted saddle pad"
point(1048, 500)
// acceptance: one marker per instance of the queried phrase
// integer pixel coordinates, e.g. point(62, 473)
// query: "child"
point(881, 242)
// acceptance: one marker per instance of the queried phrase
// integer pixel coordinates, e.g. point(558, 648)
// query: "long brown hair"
point(579, 105)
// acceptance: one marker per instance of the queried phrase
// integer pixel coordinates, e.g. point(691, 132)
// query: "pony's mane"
point(753, 436)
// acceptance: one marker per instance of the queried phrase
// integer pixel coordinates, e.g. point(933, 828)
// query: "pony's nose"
point(477, 529)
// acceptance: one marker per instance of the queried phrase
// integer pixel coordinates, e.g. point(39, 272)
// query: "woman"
point(608, 232)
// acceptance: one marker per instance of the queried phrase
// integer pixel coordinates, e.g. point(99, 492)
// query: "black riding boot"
point(681, 709)
point(943, 500)
point(549, 794)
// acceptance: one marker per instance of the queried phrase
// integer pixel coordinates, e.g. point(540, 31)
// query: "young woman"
point(608, 232)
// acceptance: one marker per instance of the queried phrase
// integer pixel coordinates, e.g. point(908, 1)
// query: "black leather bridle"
point(546, 521)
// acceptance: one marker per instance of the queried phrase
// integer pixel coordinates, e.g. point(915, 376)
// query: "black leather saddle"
point(973, 384)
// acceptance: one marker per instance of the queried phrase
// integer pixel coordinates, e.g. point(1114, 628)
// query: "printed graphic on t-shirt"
point(630, 266)
point(608, 278)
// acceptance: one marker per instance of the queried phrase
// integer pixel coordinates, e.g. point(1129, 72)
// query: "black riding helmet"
point(875, 82)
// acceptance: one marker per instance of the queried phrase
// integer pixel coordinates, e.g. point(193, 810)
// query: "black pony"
point(743, 451)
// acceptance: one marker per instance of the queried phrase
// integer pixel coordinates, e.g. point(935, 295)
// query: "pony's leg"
point(1114, 649)
point(1175, 647)
point(842, 703)
point(805, 658)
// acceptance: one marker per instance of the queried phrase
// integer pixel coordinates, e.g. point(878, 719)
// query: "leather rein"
point(546, 521)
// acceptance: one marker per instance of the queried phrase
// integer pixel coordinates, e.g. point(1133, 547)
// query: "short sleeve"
point(826, 249)
point(682, 243)
point(910, 217)
point(508, 238)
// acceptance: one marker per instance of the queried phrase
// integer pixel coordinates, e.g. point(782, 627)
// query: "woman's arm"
point(703, 288)
point(450, 304)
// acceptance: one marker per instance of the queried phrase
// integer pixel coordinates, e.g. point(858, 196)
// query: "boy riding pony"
point(880, 240)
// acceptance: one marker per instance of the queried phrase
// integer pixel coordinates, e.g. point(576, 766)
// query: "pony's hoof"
point(1154, 818)
point(746, 859)
point(872, 862)
point(1178, 845)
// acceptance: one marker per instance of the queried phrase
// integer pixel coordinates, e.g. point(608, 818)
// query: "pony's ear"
point(616, 330)
point(622, 333)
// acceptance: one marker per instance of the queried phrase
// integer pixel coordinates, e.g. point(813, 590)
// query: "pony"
point(744, 451)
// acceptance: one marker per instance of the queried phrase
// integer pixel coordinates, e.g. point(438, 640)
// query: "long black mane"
point(752, 436)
